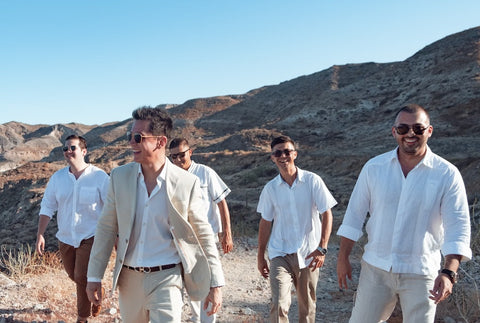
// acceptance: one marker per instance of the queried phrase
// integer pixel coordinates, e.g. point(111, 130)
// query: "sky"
point(94, 61)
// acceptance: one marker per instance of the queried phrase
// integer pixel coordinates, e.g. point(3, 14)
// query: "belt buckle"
point(143, 269)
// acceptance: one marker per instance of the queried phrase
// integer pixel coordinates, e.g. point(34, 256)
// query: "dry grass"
point(23, 261)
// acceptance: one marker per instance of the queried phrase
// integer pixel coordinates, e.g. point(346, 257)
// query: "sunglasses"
point(138, 137)
point(179, 155)
point(279, 153)
point(66, 148)
point(403, 129)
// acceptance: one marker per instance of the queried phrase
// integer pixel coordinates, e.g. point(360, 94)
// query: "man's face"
point(181, 156)
point(411, 143)
point(151, 148)
point(280, 158)
point(72, 151)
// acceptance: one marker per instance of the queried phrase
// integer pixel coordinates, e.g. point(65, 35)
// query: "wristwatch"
point(451, 274)
point(323, 251)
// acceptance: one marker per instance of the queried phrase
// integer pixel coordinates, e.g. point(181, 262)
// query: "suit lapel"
point(131, 181)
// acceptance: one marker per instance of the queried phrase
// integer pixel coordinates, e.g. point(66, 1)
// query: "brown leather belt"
point(150, 269)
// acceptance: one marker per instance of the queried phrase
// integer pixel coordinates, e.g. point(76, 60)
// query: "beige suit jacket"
point(192, 234)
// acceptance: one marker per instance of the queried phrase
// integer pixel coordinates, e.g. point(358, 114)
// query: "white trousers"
point(379, 290)
point(199, 315)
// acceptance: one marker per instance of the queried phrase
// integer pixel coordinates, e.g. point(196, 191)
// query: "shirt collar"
point(191, 165)
point(427, 160)
point(300, 177)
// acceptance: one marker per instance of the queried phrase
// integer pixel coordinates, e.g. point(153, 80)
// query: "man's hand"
point(227, 241)
point(344, 271)
point(214, 298)
point(40, 244)
point(442, 288)
point(262, 266)
point(94, 292)
point(317, 260)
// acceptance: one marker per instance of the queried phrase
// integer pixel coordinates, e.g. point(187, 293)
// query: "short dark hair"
point(160, 121)
point(81, 141)
point(281, 140)
point(177, 142)
point(413, 108)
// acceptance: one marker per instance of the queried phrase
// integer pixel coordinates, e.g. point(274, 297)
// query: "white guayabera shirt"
point(411, 218)
point(78, 202)
point(295, 214)
point(214, 190)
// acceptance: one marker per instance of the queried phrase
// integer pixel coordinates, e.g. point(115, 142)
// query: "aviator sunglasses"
point(138, 137)
point(179, 155)
point(279, 153)
point(403, 129)
point(66, 148)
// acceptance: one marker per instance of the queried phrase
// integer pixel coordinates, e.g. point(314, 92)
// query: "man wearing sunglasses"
point(418, 210)
point(214, 193)
point(297, 240)
point(164, 238)
point(77, 193)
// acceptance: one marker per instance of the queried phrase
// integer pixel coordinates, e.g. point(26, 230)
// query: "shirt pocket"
point(87, 195)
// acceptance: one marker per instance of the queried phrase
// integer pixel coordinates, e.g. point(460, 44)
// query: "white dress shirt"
point(295, 214)
point(214, 190)
point(151, 243)
point(411, 218)
point(78, 202)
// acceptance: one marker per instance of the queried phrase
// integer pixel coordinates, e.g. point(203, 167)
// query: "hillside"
point(340, 118)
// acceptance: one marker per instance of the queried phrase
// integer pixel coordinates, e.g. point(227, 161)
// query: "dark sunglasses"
point(179, 155)
point(66, 148)
point(279, 153)
point(138, 137)
point(403, 129)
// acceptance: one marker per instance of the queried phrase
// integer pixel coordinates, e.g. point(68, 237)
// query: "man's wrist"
point(453, 276)
point(323, 251)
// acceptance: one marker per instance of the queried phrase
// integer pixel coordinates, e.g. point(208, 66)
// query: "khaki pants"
point(151, 297)
point(379, 290)
point(285, 273)
point(75, 262)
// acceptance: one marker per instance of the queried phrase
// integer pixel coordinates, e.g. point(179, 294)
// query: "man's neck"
point(408, 162)
point(153, 169)
point(77, 168)
point(289, 175)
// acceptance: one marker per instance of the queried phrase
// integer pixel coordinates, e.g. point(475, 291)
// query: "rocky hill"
point(340, 117)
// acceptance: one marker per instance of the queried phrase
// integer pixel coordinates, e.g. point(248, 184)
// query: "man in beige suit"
point(164, 238)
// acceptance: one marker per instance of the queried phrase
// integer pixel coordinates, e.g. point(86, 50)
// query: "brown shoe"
point(97, 309)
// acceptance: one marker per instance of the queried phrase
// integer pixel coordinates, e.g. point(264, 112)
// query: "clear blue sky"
point(94, 61)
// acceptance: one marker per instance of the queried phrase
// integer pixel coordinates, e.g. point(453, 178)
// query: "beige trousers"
point(284, 274)
point(151, 297)
point(379, 290)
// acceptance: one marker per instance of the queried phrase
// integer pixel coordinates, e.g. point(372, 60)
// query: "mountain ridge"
point(340, 117)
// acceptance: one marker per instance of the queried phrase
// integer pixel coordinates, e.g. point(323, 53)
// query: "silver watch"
point(323, 251)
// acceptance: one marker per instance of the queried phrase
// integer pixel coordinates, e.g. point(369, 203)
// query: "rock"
point(5, 281)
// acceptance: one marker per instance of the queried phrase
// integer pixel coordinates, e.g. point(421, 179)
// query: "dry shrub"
point(22, 261)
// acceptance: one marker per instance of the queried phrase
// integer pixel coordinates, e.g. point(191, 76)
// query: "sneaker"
point(97, 309)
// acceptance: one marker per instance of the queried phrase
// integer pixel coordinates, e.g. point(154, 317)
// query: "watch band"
point(323, 251)
point(451, 274)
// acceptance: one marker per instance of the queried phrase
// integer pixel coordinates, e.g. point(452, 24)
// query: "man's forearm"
point(263, 236)
point(224, 215)
point(346, 246)
point(327, 220)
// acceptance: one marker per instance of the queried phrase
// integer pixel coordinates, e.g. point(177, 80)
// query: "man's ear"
point(162, 141)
